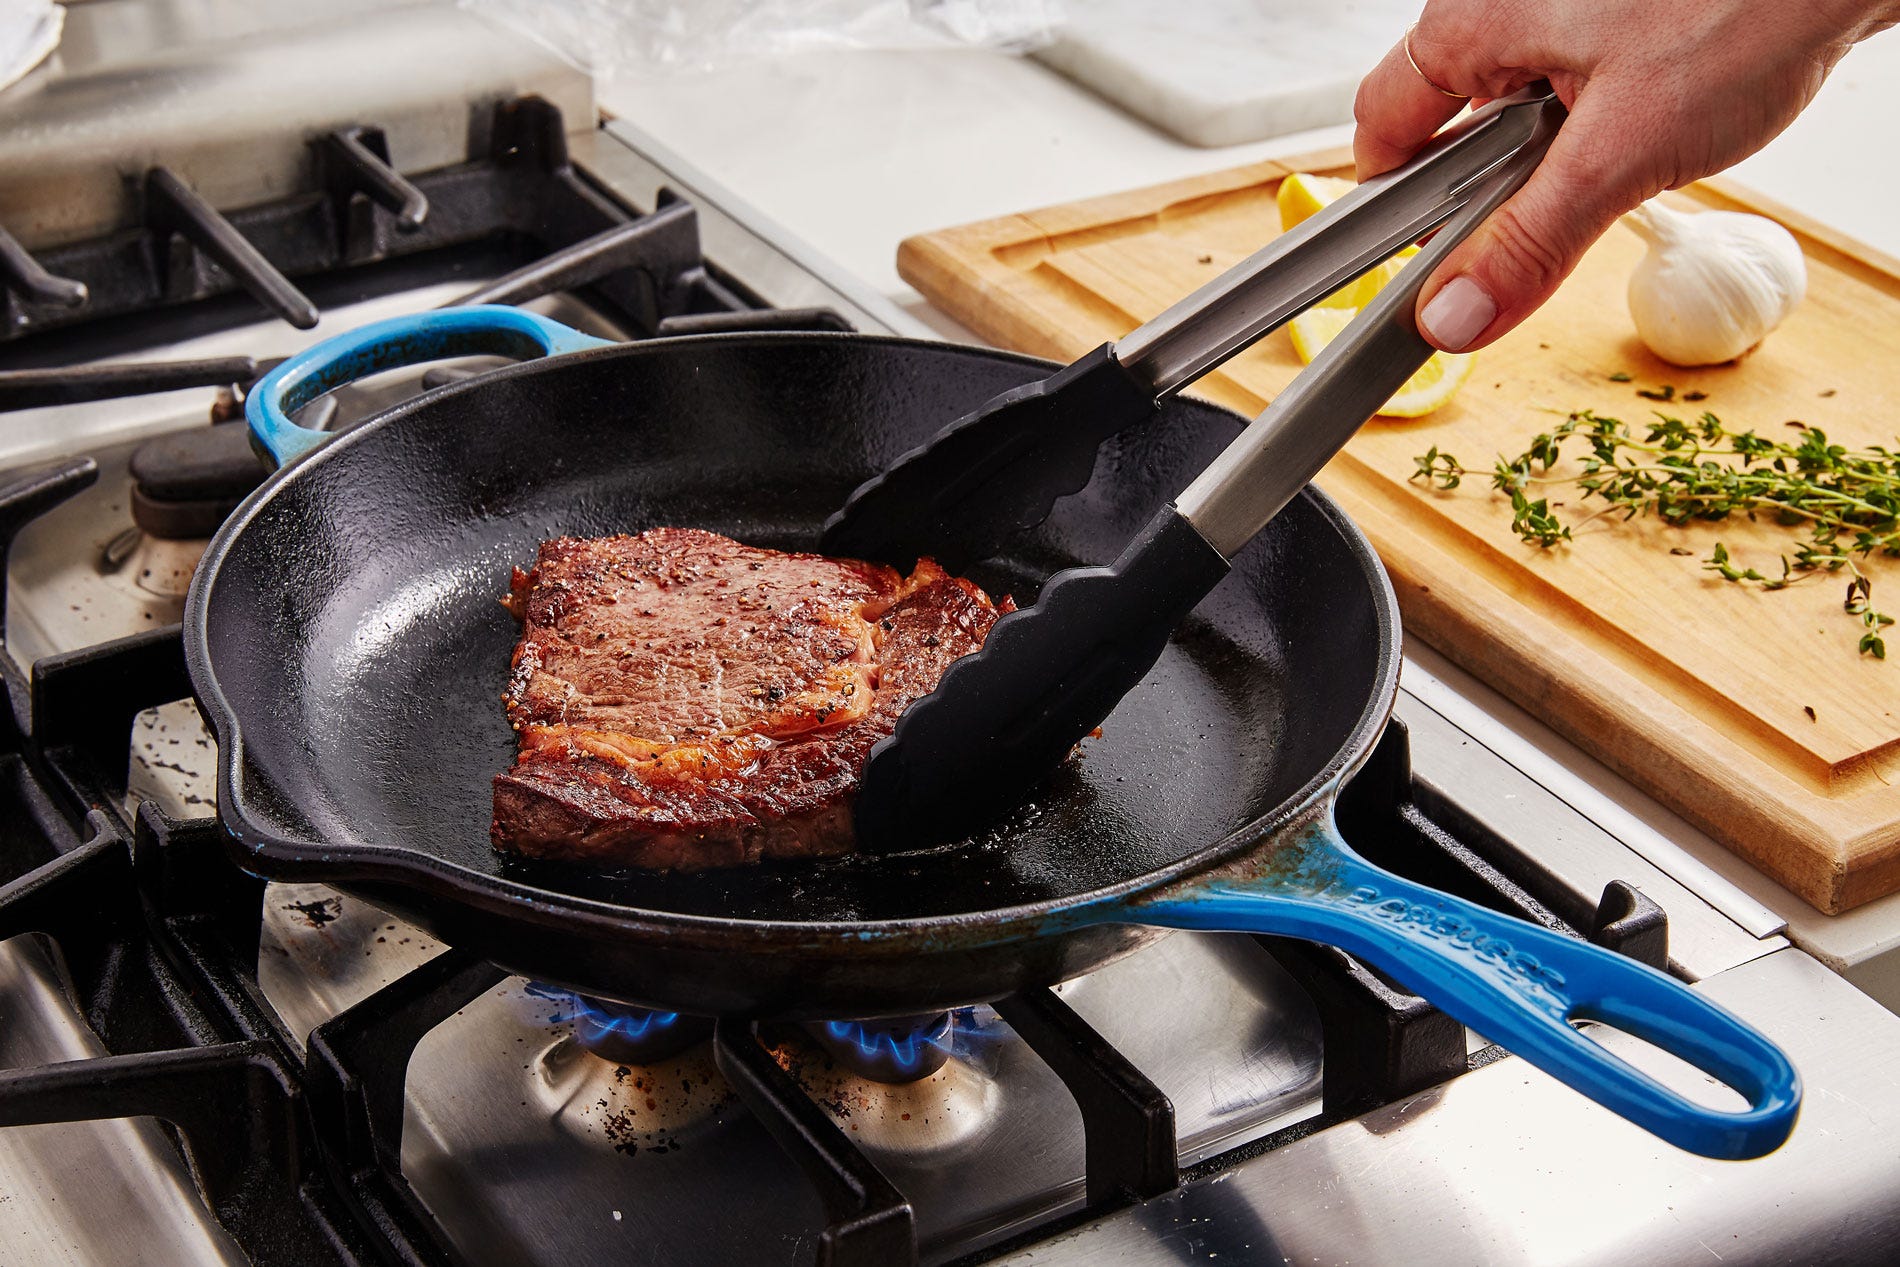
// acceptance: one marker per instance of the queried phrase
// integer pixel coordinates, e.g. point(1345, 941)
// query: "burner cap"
point(184, 485)
point(629, 1035)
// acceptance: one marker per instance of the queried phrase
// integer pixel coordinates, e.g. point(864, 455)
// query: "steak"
point(682, 700)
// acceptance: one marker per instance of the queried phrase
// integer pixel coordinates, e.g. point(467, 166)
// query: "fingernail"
point(1457, 314)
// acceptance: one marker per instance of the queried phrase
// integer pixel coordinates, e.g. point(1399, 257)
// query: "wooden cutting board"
point(1750, 713)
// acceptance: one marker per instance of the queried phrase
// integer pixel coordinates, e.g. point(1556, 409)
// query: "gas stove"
point(198, 1066)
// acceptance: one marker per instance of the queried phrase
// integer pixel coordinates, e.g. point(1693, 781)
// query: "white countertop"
point(855, 151)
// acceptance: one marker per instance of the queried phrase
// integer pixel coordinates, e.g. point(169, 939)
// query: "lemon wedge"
point(1436, 382)
point(1357, 293)
point(1302, 194)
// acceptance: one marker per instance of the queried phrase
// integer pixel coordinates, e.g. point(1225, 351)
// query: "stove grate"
point(230, 1095)
point(1127, 1122)
point(21, 274)
point(33, 389)
point(522, 186)
point(174, 211)
point(354, 1077)
point(869, 1222)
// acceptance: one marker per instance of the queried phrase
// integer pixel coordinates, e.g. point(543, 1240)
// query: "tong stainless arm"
point(1004, 716)
point(1282, 449)
point(1376, 220)
point(966, 492)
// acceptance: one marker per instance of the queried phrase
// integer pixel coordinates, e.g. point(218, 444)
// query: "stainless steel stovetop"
point(524, 1146)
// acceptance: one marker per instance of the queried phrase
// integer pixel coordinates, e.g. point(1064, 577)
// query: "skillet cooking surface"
point(358, 641)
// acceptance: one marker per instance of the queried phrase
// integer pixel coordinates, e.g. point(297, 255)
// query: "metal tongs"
point(1001, 719)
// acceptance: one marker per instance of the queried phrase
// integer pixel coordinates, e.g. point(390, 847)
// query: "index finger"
point(1396, 111)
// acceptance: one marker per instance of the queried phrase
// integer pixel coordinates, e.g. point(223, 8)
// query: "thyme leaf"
point(1839, 505)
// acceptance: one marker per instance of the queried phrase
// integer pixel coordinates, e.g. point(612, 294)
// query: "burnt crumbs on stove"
point(319, 912)
point(622, 1124)
point(682, 700)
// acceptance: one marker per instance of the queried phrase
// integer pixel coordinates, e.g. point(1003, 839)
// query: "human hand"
point(1660, 93)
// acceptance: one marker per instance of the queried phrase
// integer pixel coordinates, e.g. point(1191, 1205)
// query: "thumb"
point(1514, 261)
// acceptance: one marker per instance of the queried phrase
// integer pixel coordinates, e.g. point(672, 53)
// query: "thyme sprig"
point(1843, 503)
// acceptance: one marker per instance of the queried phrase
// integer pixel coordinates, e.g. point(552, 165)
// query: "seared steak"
point(686, 701)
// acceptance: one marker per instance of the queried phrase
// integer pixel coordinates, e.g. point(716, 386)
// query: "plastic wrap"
point(29, 30)
point(612, 37)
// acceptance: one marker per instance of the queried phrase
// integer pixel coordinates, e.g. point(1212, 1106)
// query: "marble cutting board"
point(1225, 72)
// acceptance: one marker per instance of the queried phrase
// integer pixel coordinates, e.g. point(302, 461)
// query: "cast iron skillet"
point(346, 642)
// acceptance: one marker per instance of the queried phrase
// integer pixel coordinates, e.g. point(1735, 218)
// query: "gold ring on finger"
point(1455, 96)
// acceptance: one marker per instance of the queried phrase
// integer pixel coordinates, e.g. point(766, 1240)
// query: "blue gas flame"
point(902, 1051)
point(634, 1022)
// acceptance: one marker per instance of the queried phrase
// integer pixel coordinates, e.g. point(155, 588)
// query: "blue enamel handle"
point(1515, 983)
point(477, 330)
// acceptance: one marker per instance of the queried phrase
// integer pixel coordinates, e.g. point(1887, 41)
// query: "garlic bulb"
point(1712, 285)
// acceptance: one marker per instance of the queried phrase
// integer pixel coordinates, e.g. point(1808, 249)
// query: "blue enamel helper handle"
point(1515, 983)
point(477, 330)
